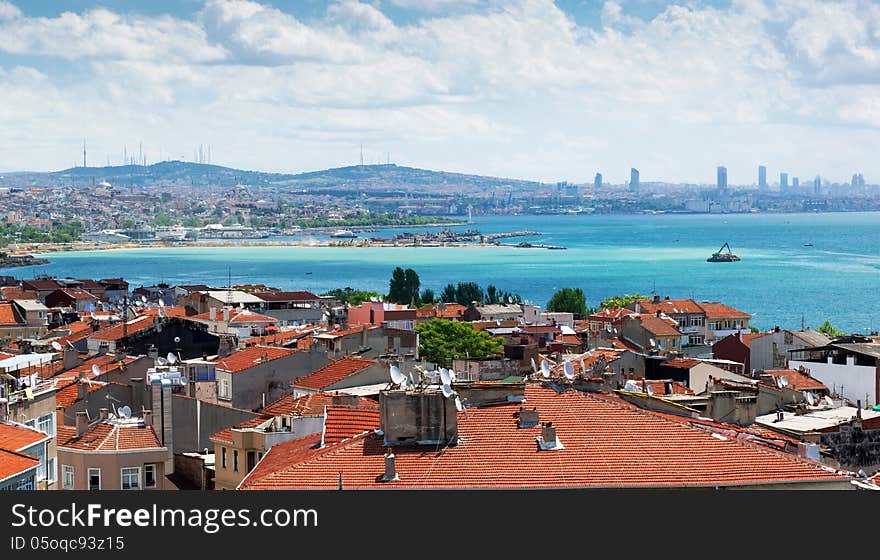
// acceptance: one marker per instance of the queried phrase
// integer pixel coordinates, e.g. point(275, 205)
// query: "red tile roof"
point(76, 293)
point(280, 337)
point(171, 311)
point(607, 443)
point(244, 316)
point(660, 388)
point(8, 315)
point(283, 454)
point(68, 394)
point(451, 311)
point(333, 372)
point(308, 405)
point(112, 436)
point(681, 363)
point(715, 310)
point(16, 438)
point(13, 463)
point(671, 306)
point(606, 315)
point(568, 339)
point(115, 332)
point(225, 435)
point(798, 381)
point(253, 356)
point(351, 330)
point(659, 326)
point(344, 422)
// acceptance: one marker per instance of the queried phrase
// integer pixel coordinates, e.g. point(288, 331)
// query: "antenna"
point(545, 369)
point(583, 367)
point(396, 376)
point(161, 313)
point(534, 366)
point(161, 302)
point(568, 371)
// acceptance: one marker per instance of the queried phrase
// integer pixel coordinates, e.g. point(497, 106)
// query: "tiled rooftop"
point(112, 436)
point(252, 356)
point(16, 438)
point(333, 372)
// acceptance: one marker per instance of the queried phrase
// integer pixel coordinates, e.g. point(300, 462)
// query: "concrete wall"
point(771, 351)
point(855, 448)
point(110, 465)
point(269, 380)
point(857, 382)
point(699, 376)
point(193, 471)
point(194, 421)
point(119, 395)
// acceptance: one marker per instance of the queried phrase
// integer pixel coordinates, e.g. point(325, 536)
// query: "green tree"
point(568, 300)
point(351, 296)
point(404, 286)
point(466, 292)
point(441, 340)
point(427, 296)
point(753, 329)
point(830, 330)
point(616, 302)
point(448, 294)
point(411, 287)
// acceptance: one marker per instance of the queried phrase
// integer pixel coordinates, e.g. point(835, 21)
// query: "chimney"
point(528, 418)
point(103, 413)
point(656, 298)
point(225, 314)
point(152, 352)
point(390, 467)
point(344, 400)
point(82, 423)
point(659, 312)
point(548, 436)
point(212, 313)
point(148, 417)
point(71, 357)
point(859, 409)
point(81, 389)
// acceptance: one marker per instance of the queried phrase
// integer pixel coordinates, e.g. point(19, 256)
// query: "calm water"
point(778, 281)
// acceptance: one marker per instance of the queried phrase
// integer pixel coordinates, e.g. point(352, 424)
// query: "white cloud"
point(432, 5)
point(8, 10)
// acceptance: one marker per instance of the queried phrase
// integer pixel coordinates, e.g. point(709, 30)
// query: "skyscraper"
point(762, 177)
point(633, 178)
point(817, 185)
point(795, 183)
point(721, 181)
point(783, 181)
point(597, 181)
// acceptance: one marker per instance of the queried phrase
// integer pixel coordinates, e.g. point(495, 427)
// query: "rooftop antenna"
point(228, 285)
point(362, 154)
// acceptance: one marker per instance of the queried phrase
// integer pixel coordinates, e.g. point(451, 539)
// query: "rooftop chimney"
point(656, 298)
point(81, 389)
point(390, 467)
point(82, 422)
point(548, 437)
point(344, 400)
point(212, 313)
point(528, 418)
point(148, 417)
point(103, 413)
point(859, 409)
point(225, 314)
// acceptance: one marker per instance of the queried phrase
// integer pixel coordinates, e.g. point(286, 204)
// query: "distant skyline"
point(527, 89)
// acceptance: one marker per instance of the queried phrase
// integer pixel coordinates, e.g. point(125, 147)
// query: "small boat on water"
point(343, 234)
point(722, 256)
point(808, 244)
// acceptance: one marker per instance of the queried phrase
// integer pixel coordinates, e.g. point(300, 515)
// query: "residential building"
point(19, 446)
point(74, 298)
point(694, 374)
point(723, 320)
point(393, 315)
point(736, 347)
point(633, 179)
point(242, 323)
point(344, 373)
point(35, 314)
point(762, 177)
point(849, 366)
point(773, 350)
point(36, 408)
point(689, 316)
point(520, 313)
point(292, 307)
point(652, 334)
point(18, 471)
point(112, 453)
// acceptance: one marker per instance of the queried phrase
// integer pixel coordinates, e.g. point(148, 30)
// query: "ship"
point(721, 256)
point(344, 234)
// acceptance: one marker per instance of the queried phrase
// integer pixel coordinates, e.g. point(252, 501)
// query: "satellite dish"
point(632, 386)
point(458, 406)
point(176, 339)
point(653, 342)
point(445, 378)
point(452, 375)
point(828, 400)
point(396, 376)
point(144, 300)
point(412, 381)
point(509, 299)
point(779, 382)
point(161, 313)
point(171, 358)
point(95, 369)
point(810, 399)
point(497, 322)
point(568, 370)
point(162, 361)
point(125, 412)
point(784, 381)
point(447, 390)
point(296, 325)
point(545, 369)
point(374, 299)
point(650, 390)
point(57, 346)
point(161, 302)
point(608, 327)
point(93, 316)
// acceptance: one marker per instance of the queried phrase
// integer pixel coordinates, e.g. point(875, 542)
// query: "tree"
point(448, 294)
point(466, 292)
point(403, 286)
point(830, 330)
point(753, 329)
point(441, 340)
point(616, 302)
point(351, 296)
point(568, 300)
point(428, 296)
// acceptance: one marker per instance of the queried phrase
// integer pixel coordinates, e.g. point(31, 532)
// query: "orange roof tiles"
point(244, 316)
point(279, 337)
point(117, 331)
point(69, 394)
point(798, 381)
point(8, 316)
point(351, 330)
point(671, 306)
point(112, 436)
point(607, 443)
point(16, 438)
point(446, 311)
point(252, 356)
point(681, 363)
point(333, 372)
point(344, 422)
point(13, 463)
point(283, 454)
point(308, 405)
point(716, 310)
point(171, 311)
point(659, 326)
point(225, 435)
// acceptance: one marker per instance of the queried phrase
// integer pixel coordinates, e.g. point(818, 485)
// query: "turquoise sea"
point(779, 280)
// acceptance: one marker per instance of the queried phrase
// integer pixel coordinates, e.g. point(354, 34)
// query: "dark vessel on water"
point(722, 256)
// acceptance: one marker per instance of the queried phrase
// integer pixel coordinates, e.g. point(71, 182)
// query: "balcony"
point(695, 329)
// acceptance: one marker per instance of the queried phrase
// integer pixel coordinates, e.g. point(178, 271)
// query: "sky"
point(531, 89)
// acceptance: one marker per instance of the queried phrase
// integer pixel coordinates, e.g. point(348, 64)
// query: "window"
point(67, 476)
point(94, 479)
point(235, 460)
point(50, 470)
point(223, 389)
point(149, 476)
point(223, 458)
point(47, 424)
point(131, 478)
point(26, 484)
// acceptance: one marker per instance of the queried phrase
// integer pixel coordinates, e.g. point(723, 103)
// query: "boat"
point(721, 256)
point(344, 234)
point(808, 244)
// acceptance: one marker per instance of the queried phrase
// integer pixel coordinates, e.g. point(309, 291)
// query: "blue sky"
point(533, 89)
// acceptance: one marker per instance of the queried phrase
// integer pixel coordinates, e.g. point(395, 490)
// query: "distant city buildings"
point(817, 185)
point(633, 178)
point(762, 177)
point(721, 179)
point(597, 181)
point(783, 181)
point(795, 183)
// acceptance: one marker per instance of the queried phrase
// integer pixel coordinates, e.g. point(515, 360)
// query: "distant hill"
point(367, 177)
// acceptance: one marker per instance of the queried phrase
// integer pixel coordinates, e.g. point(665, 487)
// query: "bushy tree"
point(403, 286)
point(441, 340)
point(568, 300)
point(616, 302)
point(427, 296)
point(830, 330)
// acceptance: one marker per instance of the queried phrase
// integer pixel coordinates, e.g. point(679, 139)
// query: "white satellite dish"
point(568, 370)
point(162, 361)
point(534, 366)
point(125, 412)
point(161, 302)
point(445, 378)
point(171, 358)
point(412, 381)
point(458, 406)
point(545, 369)
point(810, 399)
point(632, 386)
point(452, 375)
point(653, 342)
point(784, 381)
point(608, 327)
point(447, 390)
point(161, 313)
point(828, 400)
point(509, 299)
point(497, 322)
point(93, 316)
point(143, 300)
point(649, 390)
point(779, 382)
point(57, 346)
point(396, 376)
point(95, 369)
